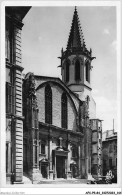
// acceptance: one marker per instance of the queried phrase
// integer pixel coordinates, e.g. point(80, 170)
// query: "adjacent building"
point(96, 147)
point(109, 145)
point(14, 115)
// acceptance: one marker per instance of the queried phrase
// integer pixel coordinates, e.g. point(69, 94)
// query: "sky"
point(46, 31)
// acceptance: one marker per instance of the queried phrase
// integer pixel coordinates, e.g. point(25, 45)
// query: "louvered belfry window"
point(48, 104)
point(64, 110)
point(77, 70)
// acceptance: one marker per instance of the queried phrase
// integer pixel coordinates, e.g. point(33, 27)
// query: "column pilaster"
point(69, 174)
point(79, 160)
point(50, 155)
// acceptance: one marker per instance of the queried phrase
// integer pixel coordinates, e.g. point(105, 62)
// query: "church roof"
point(76, 39)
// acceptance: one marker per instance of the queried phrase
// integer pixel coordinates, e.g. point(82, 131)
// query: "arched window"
point(77, 70)
point(87, 72)
point(67, 71)
point(64, 110)
point(48, 104)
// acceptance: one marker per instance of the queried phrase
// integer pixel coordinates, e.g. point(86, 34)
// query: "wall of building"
point(69, 141)
point(41, 79)
point(13, 22)
point(56, 107)
point(96, 163)
point(14, 64)
point(92, 105)
point(109, 155)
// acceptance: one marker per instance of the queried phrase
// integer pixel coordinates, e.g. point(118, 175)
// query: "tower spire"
point(76, 60)
point(76, 38)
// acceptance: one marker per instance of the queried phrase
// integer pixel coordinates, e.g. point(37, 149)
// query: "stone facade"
point(69, 146)
point(109, 145)
point(96, 147)
point(56, 104)
point(14, 116)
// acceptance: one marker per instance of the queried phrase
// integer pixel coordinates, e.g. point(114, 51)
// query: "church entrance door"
point(60, 166)
point(44, 171)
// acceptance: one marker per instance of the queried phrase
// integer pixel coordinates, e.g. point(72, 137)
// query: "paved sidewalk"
point(64, 181)
point(26, 179)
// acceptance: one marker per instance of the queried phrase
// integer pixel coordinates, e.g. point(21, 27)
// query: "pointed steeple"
point(76, 39)
point(76, 59)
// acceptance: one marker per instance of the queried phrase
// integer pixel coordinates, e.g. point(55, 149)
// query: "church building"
point(51, 126)
point(60, 115)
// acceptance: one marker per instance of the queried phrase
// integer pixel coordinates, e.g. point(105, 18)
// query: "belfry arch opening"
point(67, 71)
point(87, 71)
point(77, 70)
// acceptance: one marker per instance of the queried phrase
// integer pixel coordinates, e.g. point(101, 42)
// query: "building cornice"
point(14, 116)
point(13, 66)
point(50, 126)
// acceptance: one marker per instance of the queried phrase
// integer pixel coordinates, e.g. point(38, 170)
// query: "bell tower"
point(76, 61)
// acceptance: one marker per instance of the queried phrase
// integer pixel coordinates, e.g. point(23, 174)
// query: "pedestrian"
point(109, 177)
point(111, 174)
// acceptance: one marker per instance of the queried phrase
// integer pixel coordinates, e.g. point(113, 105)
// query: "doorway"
point(74, 170)
point(44, 171)
point(60, 166)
